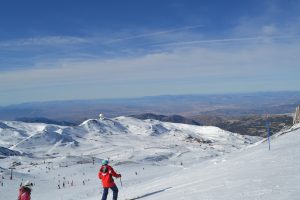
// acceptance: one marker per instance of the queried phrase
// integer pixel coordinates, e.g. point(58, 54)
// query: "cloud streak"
point(43, 41)
point(157, 33)
point(181, 63)
point(226, 40)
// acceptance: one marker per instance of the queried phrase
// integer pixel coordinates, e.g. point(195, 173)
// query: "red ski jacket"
point(106, 174)
point(24, 194)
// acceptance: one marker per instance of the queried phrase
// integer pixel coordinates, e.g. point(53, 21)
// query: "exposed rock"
point(164, 118)
point(296, 118)
point(5, 152)
point(254, 125)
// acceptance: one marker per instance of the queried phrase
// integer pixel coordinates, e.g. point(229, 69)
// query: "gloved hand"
point(119, 176)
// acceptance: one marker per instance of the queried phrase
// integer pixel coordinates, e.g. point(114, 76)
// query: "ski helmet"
point(104, 162)
point(28, 184)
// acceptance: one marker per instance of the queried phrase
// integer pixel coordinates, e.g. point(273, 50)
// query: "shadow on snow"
point(149, 194)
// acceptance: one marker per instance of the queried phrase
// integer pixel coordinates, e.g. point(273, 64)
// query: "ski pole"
point(122, 189)
point(121, 182)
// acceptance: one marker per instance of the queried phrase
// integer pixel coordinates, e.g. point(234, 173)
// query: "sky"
point(67, 49)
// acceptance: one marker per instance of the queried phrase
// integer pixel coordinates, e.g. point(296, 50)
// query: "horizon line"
point(143, 97)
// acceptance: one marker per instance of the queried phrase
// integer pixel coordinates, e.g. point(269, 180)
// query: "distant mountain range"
point(76, 111)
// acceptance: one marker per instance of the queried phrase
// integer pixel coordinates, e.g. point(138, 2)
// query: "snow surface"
point(157, 160)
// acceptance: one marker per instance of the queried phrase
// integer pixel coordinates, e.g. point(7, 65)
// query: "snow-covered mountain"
point(157, 160)
point(122, 139)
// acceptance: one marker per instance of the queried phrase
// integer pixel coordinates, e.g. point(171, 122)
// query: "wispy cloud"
point(210, 64)
point(43, 41)
point(225, 40)
point(151, 34)
point(104, 40)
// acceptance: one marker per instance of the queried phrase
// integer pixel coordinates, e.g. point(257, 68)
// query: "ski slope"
point(157, 160)
point(252, 173)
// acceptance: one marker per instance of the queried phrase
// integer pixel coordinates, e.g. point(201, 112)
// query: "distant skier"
point(25, 191)
point(106, 174)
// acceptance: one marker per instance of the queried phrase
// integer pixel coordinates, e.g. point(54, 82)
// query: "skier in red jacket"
point(106, 174)
point(25, 191)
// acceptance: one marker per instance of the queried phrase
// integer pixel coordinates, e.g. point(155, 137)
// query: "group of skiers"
point(106, 174)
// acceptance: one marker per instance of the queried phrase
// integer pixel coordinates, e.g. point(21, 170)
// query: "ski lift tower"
point(11, 171)
point(101, 116)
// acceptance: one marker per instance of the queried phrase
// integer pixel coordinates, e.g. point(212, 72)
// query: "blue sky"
point(58, 50)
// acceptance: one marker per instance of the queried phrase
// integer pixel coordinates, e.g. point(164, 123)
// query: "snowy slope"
point(122, 139)
point(151, 155)
point(253, 173)
point(12, 132)
point(249, 173)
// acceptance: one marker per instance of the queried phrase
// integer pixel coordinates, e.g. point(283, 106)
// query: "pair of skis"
point(133, 198)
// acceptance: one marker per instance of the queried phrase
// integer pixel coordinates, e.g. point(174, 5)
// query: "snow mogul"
point(106, 174)
point(25, 191)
